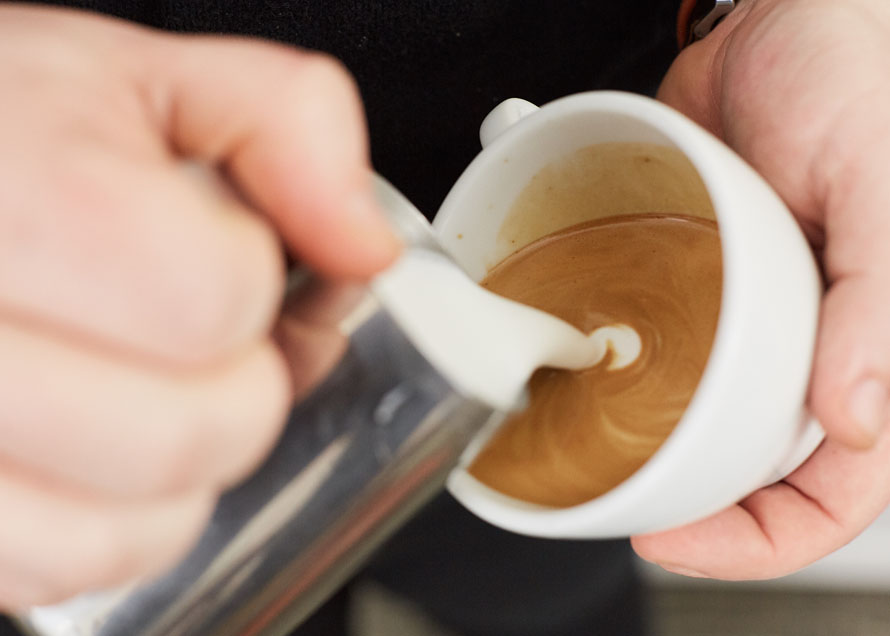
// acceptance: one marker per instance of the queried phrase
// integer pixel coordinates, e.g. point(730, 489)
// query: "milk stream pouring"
point(433, 363)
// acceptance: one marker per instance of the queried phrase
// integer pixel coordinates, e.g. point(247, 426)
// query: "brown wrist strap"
point(696, 18)
point(684, 21)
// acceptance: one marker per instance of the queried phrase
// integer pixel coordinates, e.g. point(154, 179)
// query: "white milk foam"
point(487, 346)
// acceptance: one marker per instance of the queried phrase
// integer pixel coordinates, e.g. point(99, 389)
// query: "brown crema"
point(585, 432)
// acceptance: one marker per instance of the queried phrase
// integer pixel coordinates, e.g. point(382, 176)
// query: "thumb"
point(287, 127)
point(850, 388)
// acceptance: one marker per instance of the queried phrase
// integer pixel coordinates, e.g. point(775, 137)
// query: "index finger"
point(779, 529)
point(288, 128)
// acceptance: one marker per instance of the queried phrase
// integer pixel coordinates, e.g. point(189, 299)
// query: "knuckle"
point(107, 550)
point(205, 314)
point(318, 74)
point(331, 70)
point(168, 460)
point(96, 554)
point(215, 432)
point(178, 451)
point(21, 600)
point(18, 592)
point(249, 442)
point(192, 519)
point(221, 303)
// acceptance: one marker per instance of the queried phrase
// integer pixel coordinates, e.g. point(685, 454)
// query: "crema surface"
point(587, 431)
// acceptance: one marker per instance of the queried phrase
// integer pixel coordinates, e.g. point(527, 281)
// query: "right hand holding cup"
point(798, 88)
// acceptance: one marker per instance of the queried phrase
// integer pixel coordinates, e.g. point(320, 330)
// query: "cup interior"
point(636, 169)
point(631, 166)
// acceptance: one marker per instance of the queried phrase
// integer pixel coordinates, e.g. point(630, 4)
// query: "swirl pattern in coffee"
point(585, 432)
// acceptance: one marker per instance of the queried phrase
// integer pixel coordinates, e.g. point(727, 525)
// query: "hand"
point(139, 373)
point(799, 88)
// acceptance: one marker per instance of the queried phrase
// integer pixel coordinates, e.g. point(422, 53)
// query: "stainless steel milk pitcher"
point(365, 449)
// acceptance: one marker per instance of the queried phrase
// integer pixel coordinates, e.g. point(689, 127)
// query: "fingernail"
point(378, 232)
point(682, 571)
point(867, 407)
point(367, 213)
point(364, 209)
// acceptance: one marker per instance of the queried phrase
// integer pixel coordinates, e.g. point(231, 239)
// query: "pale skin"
point(145, 367)
point(799, 89)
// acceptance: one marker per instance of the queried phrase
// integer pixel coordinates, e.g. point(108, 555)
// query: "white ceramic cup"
point(745, 426)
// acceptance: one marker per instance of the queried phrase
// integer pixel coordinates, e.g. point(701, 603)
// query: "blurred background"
point(845, 594)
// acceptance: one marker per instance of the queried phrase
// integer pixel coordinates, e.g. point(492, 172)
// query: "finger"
point(309, 332)
point(322, 302)
point(288, 127)
point(849, 390)
point(56, 543)
point(851, 376)
point(18, 591)
point(128, 430)
point(782, 528)
point(312, 352)
point(137, 255)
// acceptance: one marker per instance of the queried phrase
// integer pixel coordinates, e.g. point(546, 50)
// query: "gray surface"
point(726, 612)
point(698, 611)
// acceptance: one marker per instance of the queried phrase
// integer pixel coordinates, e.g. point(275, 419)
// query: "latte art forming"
point(587, 431)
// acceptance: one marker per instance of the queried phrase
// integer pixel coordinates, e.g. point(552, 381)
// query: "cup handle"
point(502, 117)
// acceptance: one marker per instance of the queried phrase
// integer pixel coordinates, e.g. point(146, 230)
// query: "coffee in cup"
point(584, 432)
point(745, 425)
